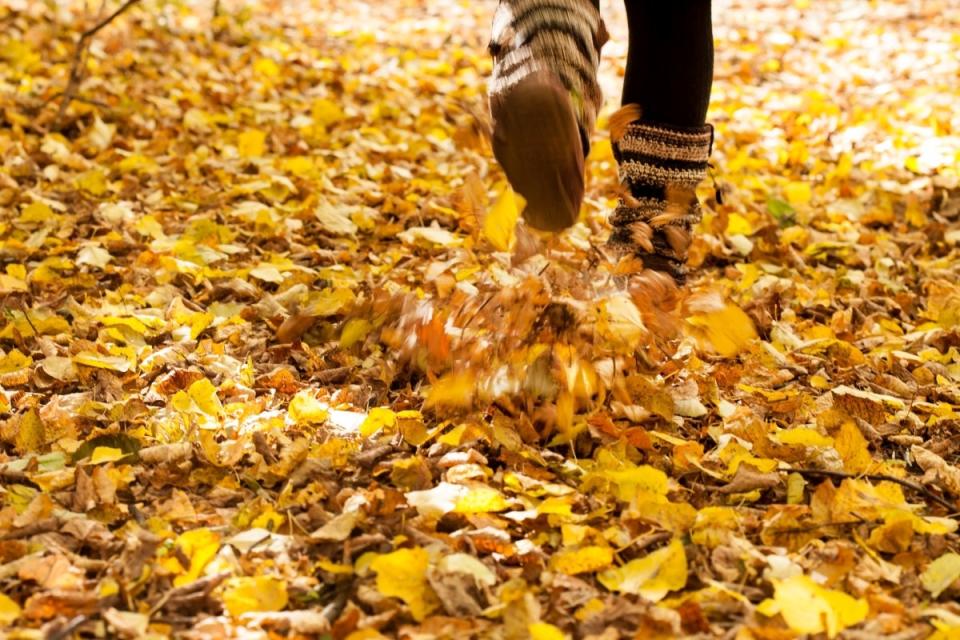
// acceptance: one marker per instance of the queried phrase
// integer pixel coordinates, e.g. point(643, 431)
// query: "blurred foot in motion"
point(544, 99)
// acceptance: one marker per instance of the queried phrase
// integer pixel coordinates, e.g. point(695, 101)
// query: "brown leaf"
point(938, 471)
point(748, 478)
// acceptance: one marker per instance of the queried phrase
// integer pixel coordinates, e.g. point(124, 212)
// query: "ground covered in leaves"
point(274, 361)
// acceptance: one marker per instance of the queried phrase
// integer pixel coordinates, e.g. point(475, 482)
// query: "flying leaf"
point(620, 321)
point(718, 326)
point(454, 390)
point(500, 222)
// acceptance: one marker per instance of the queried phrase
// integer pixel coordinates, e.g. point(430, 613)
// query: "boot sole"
point(537, 141)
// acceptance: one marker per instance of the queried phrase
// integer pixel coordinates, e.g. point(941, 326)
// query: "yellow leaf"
point(148, 225)
point(583, 560)
point(454, 390)
point(712, 525)
point(354, 331)
point(798, 193)
point(108, 587)
point(14, 361)
point(9, 610)
point(378, 418)
point(652, 576)
point(738, 225)
point(807, 607)
point(199, 546)
point(403, 574)
point(852, 447)
point(36, 212)
point(941, 573)
point(326, 112)
point(93, 182)
point(266, 67)
point(100, 361)
point(545, 631)
point(204, 396)
point(31, 433)
point(301, 166)
point(136, 162)
point(260, 593)
point(795, 488)
point(251, 143)
point(101, 455)
point(893, 536)
point(803, 436)
point(366, 634)
point(642, 480)
point(620, 322)
point(722, 327)
point(305, 408)
point(481, 499)
point(328, 302)
point(501, 220)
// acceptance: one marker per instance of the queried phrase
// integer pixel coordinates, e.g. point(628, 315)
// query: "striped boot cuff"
point(660, 168)
point(560, 36)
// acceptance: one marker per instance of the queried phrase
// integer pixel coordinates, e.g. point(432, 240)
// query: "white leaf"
point(430, 235)
point(335, 220)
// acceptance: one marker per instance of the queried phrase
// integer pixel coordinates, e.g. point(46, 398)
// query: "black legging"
point(670, 60)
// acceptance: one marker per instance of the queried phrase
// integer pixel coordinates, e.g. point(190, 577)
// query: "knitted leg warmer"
point(660, 168)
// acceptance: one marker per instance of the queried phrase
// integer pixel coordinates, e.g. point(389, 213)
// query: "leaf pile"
point(277, 361)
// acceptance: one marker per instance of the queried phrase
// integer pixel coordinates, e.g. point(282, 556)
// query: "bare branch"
point(76, 66)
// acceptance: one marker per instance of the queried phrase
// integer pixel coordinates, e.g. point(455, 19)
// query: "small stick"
point(76, 72)
point(878, 477)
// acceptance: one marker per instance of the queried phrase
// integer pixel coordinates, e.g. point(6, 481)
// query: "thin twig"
point(878, 477)
point(26, 316)
point(76, 66)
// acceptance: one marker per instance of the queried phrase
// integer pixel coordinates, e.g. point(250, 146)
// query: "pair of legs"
point(544, 98)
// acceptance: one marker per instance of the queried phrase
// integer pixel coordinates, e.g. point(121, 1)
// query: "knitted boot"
point(544, 99)
point(660, 168)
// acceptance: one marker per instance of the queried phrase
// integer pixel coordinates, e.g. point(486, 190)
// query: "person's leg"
point(670, 60)
point(544, 99)
point(660, 137)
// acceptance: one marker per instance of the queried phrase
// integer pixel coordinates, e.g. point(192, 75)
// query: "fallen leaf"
point(652, 576)
point(251, 594)
point(403, 574)
point(807, 607)
point(941, 573)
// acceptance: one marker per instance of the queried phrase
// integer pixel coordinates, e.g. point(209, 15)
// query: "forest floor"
point(274, 361)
